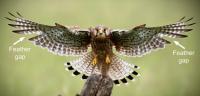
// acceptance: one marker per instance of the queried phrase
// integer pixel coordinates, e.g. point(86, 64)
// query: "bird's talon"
point(94, 61)
point(107, 59)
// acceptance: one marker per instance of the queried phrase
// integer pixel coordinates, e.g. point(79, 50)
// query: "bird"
point(106, 44)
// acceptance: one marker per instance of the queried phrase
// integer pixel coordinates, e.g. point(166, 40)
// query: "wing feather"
point(141, 40)
point(58, 39)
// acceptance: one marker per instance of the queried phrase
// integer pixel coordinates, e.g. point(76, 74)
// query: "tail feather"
point(83, 65)
point(121, 71)
point(69, 67)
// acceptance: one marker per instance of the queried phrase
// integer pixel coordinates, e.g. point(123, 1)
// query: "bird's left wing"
point(58, 39)
point(141, 40)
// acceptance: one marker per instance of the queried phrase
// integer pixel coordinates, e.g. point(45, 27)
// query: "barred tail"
point(120, 70)
point(82, 66)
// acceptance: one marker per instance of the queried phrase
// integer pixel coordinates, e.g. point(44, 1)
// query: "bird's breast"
point(102, 52)
point(101, 46)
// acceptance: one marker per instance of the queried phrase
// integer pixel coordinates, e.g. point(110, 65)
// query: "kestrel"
point(101, 59)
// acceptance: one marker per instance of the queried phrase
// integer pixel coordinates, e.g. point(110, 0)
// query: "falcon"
point(101, 59)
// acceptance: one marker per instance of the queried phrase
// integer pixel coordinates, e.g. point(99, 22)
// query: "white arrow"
point(20, 40)
point(178, 44)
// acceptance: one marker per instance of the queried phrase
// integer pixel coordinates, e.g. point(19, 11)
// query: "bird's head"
point(100, 32)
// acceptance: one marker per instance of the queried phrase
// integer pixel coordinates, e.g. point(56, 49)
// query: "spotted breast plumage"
point(63, 40)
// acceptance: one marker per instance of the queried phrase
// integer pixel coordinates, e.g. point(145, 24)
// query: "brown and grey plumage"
point(101, 59)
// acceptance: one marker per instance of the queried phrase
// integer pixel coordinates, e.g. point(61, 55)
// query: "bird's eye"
point(107, 32)
point(104, 30)
point(97, 29)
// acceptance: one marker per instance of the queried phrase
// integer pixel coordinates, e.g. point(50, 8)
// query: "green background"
point(43, 74)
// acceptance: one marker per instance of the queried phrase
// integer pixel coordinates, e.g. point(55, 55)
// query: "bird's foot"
point(107, 59)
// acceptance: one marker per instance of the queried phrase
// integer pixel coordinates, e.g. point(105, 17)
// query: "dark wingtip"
point(12, 14)
point(18, 31)
point(19, 14)
point(187, 30)
point(190, 24)
point(8, 19)
point(189, 19)
point(32, 39)
point(181, 36)
point(185, 36)
point(182, 18)
point(12, 25)
point(167, 42)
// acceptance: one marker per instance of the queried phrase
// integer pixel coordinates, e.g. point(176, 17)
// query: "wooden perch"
point(97, 85)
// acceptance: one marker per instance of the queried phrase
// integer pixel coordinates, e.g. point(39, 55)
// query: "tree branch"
point(97, 85)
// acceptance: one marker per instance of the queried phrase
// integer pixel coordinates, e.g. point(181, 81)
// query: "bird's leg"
point(94, 61)
point(107, 59)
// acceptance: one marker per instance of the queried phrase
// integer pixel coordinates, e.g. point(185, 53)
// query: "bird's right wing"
point(58, 39)
point(141, 39)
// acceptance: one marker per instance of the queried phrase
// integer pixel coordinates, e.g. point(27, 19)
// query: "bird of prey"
point(101, 59)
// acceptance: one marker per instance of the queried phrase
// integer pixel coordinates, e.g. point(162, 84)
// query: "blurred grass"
point(43, 74)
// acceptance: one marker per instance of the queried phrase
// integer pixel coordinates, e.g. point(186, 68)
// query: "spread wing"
point(58, 39)
point(141, 40)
